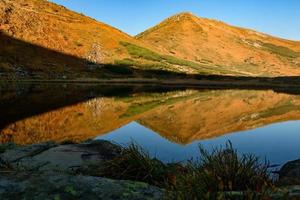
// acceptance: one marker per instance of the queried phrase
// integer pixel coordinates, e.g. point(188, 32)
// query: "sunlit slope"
point(52, 26)
point(40, 37)
point(223, 47)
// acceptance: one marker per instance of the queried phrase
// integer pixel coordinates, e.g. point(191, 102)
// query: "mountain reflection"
point(35, 113)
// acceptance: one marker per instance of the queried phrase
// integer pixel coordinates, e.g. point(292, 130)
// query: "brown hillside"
point(222, 46)
point(52, 26)
point(40, 37)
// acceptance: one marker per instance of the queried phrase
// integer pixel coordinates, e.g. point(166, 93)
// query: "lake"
point(168, 122)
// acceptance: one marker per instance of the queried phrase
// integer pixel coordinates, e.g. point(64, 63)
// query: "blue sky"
point(276, 17)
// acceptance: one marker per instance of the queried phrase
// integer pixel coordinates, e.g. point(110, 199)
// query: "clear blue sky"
point(276, 17)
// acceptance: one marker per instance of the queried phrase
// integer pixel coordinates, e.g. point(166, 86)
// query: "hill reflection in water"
point(179, 117)
point(278, 142)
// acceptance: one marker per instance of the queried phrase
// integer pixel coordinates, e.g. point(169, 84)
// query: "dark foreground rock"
point(289, 174)
point(63, 158)
point(48, 171)
point(63, 171)
point(57, 186)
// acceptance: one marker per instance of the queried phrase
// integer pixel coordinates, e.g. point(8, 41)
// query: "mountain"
point(223, 47)
point(40, 39)
point(43, 38)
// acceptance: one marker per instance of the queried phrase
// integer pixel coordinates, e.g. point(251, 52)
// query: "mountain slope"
point(222, 46)
point(57, 28)
point(40, 37)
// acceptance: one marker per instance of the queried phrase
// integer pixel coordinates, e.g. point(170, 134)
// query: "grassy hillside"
point(222, 46)
point(43, 40)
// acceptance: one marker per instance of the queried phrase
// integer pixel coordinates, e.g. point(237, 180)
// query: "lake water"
point(168, 122)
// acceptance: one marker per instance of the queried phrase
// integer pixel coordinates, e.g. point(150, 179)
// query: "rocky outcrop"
point(64, 186)
point(289, 174)
point(62, 171)
point(49, 171)
point(67, 158)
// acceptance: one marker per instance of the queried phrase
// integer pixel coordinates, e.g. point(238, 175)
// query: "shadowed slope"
point(54, 27)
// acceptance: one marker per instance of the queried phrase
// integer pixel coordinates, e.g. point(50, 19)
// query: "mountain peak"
point(215, 43)
point(183, 16)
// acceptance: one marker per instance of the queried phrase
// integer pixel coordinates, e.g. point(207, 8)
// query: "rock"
point(15, 154)
point(289, 174)
point(64, 186)
point(43, 171)
point(6, 147)
point(67, 158)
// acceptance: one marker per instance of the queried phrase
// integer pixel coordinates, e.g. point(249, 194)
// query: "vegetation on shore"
point(213, 176)
point(221, 173)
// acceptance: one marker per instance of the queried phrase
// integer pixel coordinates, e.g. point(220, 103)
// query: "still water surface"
point(170, 123)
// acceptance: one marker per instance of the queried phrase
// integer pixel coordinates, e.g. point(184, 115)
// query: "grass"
point(146, 66)
point(211, 177)
point(280, 50)
point(135, 164)
point(141, 52)
point(165, 62)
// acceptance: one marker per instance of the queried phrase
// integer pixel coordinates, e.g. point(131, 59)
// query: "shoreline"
point(86, 165)
point(263, 82)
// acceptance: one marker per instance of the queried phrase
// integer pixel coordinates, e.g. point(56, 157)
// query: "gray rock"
point(7, 146)
point(289, 174)
point(67, 158)
point(18, 153)
point(43, 171)
point(52, 185)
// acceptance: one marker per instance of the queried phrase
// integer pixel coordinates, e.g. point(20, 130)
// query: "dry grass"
point(216, 173)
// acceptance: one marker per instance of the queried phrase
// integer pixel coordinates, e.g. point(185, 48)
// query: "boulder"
point(289, 174)
point(55, 185)
point(67, 158)
point(44, 171)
